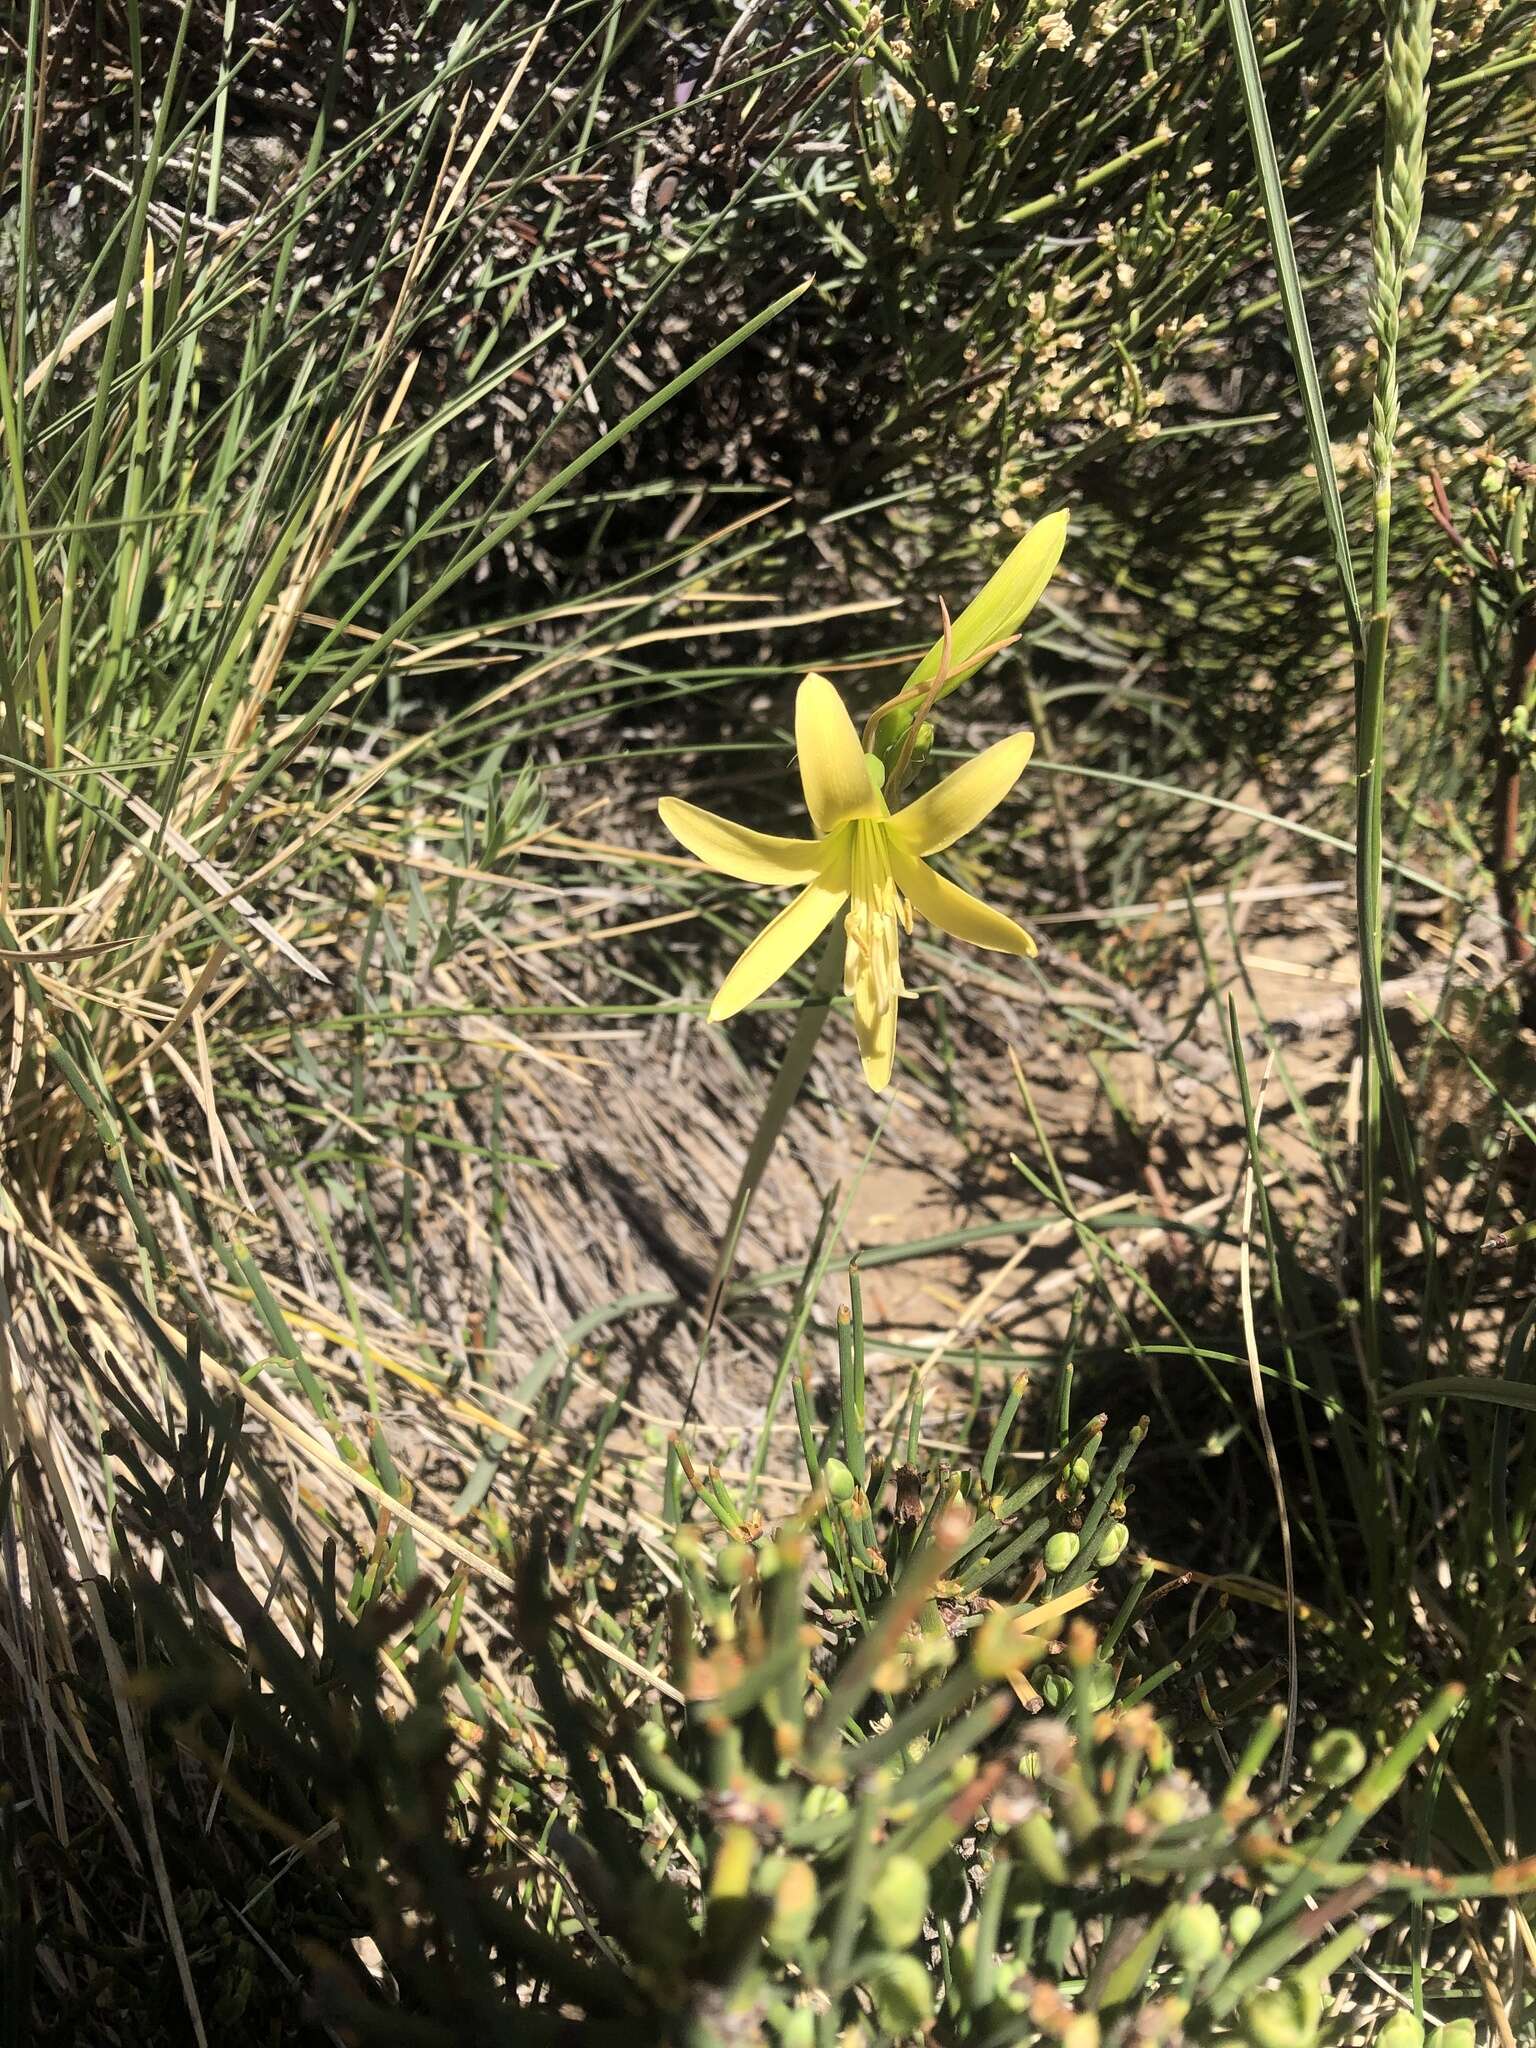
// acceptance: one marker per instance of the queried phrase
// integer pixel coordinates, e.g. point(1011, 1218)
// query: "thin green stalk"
point(1294, 307)
point(1398, 206)
point(793, 1069)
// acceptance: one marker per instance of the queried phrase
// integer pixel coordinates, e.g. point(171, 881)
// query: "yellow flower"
point(862, 856)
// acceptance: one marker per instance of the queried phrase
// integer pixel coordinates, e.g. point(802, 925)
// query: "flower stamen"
point(877, 914)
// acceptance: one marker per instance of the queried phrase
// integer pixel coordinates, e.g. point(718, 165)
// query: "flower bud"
point(962, 1963)
point(822, 1801)
point(1099, 1682)
point(1401, 2031)
point(1112, 1543)
point(792, 1886)
point(1034, 1844)
point(961, 1773)
point(1060, 1551)
point(1194, 1935)
point(898, 1900)
point(1458, 2034)
point(838, 1480)
point(1243, 1924)
point(1003, 1644)
point(903, 1993)
point(1283, 2018)
point(1337, 1757)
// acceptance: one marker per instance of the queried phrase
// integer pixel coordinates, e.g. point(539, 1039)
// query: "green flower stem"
point(782, 1097)
point(1398, 208)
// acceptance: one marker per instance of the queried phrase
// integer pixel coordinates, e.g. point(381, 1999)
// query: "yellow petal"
point(834, 768)
point(962, 800)
point(1002, 606)
point(733, 849)
point(877, 1046)
point(779, 945)
point(955, 910)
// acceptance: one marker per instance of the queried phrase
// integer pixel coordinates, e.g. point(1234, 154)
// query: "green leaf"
point(1500, 1392)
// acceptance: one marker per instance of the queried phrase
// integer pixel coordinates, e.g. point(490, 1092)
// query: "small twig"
point(1507, 862)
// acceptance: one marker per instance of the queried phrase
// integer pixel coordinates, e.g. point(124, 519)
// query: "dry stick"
point(1507, 864)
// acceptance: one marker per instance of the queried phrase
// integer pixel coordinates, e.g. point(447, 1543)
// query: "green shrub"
point(731, 1782)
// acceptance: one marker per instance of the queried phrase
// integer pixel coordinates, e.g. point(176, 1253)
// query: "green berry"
point(791, 1883)
point(898, 1900)
point(838, 1480)
point(1165, 1806)
point(822, 1801)
point(1243, 1924)
point(1099, 1679)
point(1401, 2031)
point(903, 1993)
point(1284, 2018)
point(1194, 1935)
point(1337, 1757)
